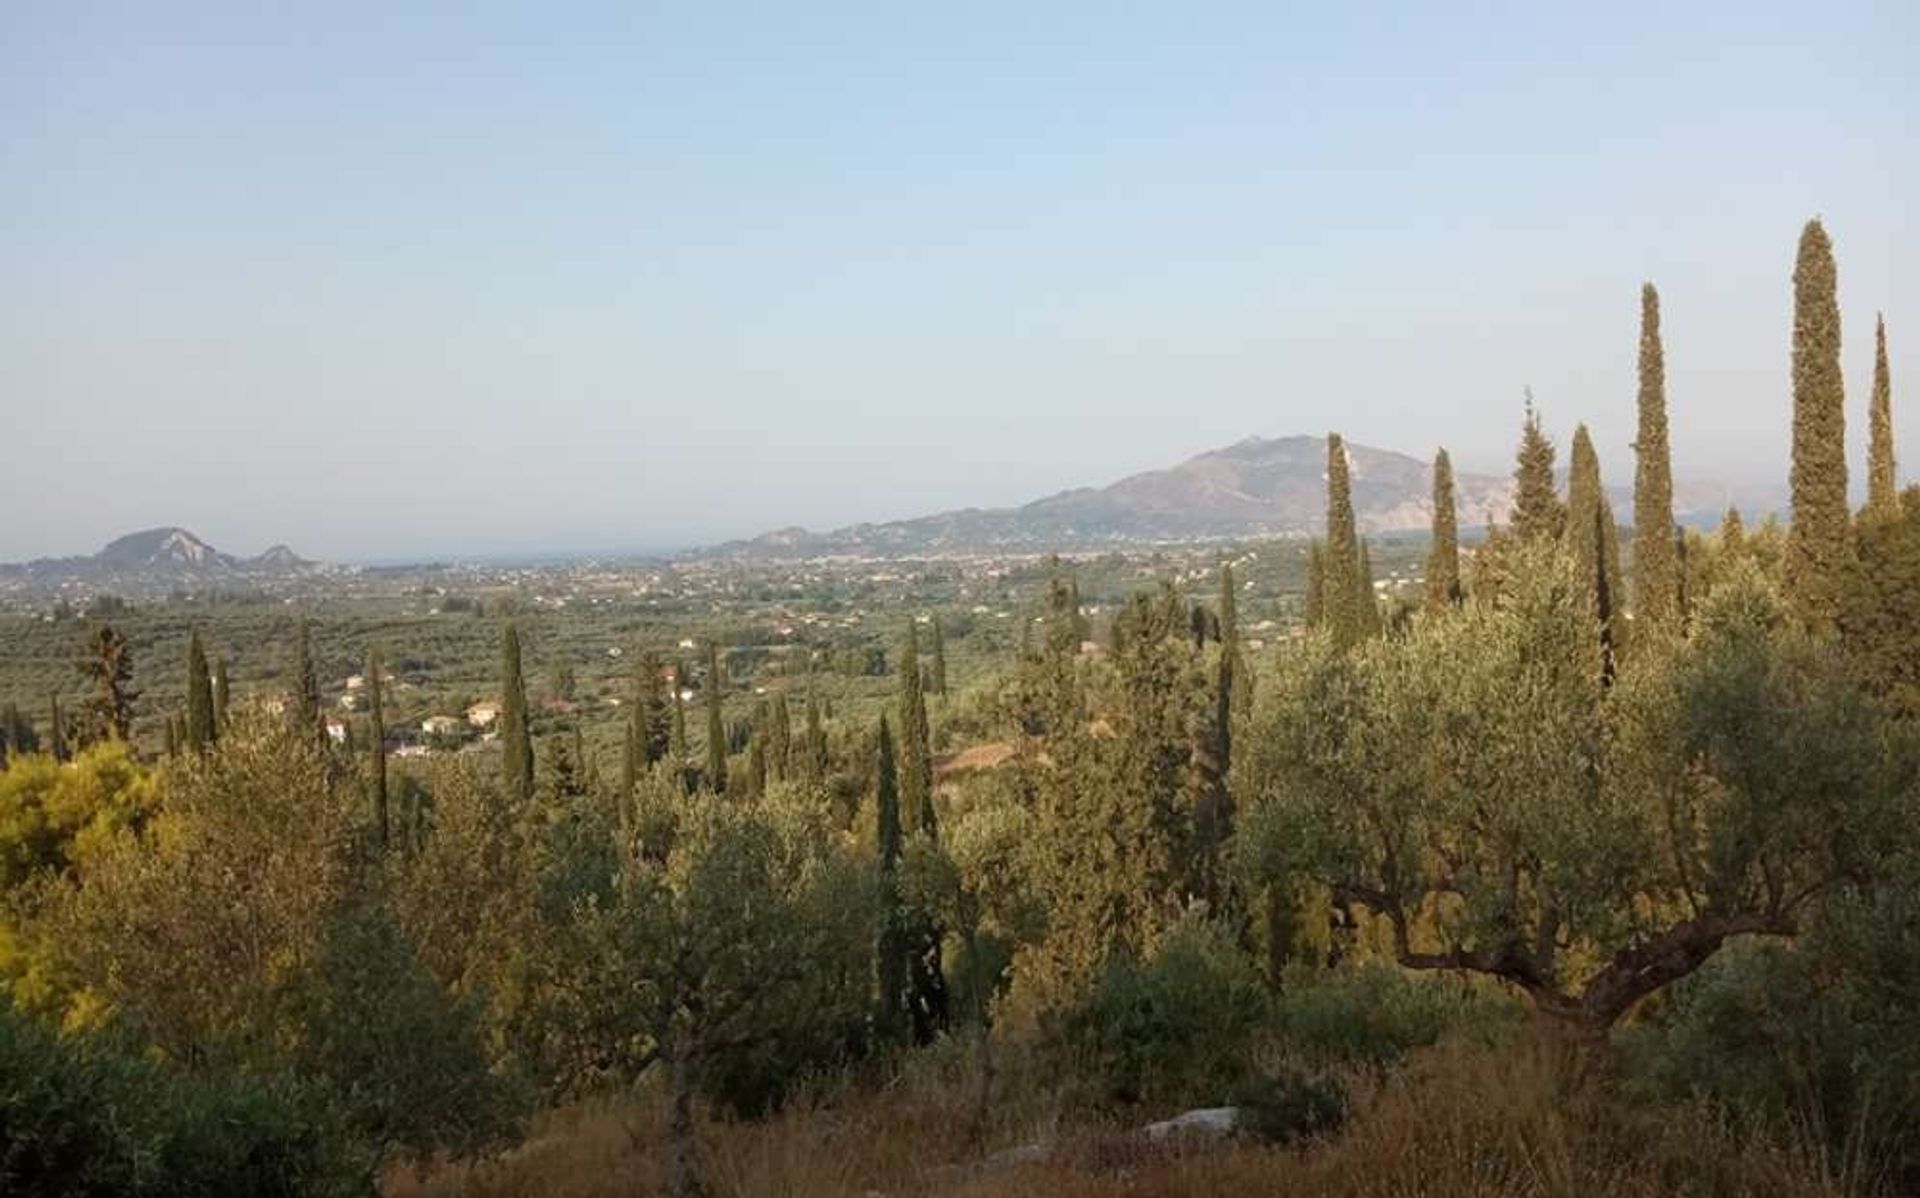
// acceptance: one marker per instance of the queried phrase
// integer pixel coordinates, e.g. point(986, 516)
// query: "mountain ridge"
point(1255, 488)
point(162, 551)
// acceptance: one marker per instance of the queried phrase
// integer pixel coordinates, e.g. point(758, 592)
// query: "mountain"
point(157, 557)
point(1254, 488)
point(279, 558)
point(162, 549)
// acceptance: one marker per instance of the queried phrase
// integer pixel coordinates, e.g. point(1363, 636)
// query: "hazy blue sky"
point(394, 279)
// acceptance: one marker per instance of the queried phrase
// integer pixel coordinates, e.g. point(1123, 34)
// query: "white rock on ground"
point(1208, 1121)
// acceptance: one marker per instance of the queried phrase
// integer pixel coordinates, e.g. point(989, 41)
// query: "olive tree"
point(735, 930)
point(1478, 785)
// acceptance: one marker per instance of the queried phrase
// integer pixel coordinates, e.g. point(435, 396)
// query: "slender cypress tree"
point(916, 749)
point(220, 694)
point(939, 658)
point(589, 768)
point(377, 747)
point(1656, 589)
point(1817, 539)
point(1340, 570)
point(1213, 759)
point(1883, 494)
point(199, 697)
point(1584, 499)
point(813, 751)
point(1316, 600)
point(56, 730)
point(173, 737)
point(757, 765)
point(1537, 513)
point(678, 750)
point(652, 723)
point(1443, 559)
point(716, 729)
point(780, 739)
point(895, 954)
point(1592, 541)
point(630, 751)
point(516, 740)
point(306, 686)
point(1366, 601)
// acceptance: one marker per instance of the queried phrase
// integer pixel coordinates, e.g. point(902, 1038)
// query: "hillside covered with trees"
point(1581, 859)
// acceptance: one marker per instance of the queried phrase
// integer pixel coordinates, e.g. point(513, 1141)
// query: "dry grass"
point(1459, 1121)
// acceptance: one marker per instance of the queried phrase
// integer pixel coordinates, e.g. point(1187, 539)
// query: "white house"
point(439, 725)
point(482, 715)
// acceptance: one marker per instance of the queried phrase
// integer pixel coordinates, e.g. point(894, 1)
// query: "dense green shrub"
point(1176, 1027)
point(91, 1116)
point(404, 1060)
point(1376, 1013)
point(1820, 1039)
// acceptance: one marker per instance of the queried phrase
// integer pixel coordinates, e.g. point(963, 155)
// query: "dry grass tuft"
point(1460, 1120)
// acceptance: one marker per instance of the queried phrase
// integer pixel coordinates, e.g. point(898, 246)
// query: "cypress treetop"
point(716, 727)
point(1340, 559)
point(1883, 488)
point(1817, 541)
point(377, 748)
point(916, 748)
point(516, 742)
point(1656, 583)
point(1537, 513)
point(200, 729)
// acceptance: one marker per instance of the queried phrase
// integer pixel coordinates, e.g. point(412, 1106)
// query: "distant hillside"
point(1254, 488)
point(158, 555)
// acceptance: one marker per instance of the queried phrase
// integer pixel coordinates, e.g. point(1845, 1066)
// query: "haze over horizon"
point(383, 284)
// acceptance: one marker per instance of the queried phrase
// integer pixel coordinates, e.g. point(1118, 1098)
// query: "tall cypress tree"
point(716, 729)
point(813, 749)
point(1367, 602)
point(916, 748)
point(1212, 756)
point(939, 658)
point(630, 752)
point(306, 686)
point(780, 739)
point(1340, 569)
point(1656, 587)
point(1592, 540)
point(199, 697)
point(894, 956)
point(377, 747)
point(1443, 558)
point(1537, 514)
point(56, 730)
point(678, 750)
point(652, 723)
point(516, 739)
point(1817, 539)
point(1883, 494)
point(220, 693)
